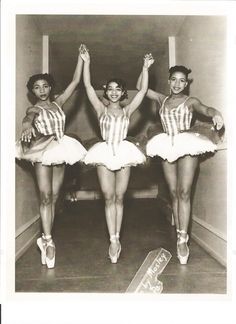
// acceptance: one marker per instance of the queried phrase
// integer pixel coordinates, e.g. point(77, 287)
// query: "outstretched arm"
point(151, 94)
point(97, 104)
point(207, 111)
point(61, 99)
point(148, 61)
point(28, 130)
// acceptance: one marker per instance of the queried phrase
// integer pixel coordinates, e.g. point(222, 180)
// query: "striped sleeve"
point(31, 113)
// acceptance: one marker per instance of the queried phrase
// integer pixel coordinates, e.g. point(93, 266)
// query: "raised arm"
point(151, 94)
point(62, 98)
point(148, 61)
point(93, 98)
point(207, 111)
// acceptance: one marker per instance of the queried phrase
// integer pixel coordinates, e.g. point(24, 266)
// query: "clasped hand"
point(148, 60)
point(84, 53)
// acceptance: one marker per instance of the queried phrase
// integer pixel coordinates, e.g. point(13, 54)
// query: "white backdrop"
point(26, 308)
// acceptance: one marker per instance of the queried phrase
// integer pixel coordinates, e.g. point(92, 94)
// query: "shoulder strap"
point(55, 103)
point(163, 102)
point(165, 99)
point(37, 106)
point(186, 100)
point(124, 111)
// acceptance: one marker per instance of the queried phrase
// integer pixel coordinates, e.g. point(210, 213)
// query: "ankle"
point(48, 238)
point(43, 237)
point(183, 232)
point(113, 238)
point(182, 237)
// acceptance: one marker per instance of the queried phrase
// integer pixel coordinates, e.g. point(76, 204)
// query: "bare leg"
point(57, 181)
point(170, 172)
point(186, 171)
point(113, 185)
point(44, 180)
point(107, 183)
point(122, 180)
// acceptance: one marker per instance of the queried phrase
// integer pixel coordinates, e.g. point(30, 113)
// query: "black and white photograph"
point(116, 169)
point(127, 158)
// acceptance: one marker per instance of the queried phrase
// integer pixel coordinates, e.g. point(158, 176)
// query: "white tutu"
point(67, 150)
point(126, 154)
point(186, 143)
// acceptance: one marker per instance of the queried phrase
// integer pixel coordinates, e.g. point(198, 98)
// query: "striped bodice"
point(50, 122)
point(114, 129)
point(177, 119)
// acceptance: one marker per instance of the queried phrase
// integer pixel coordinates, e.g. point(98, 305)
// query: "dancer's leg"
point(186, 171)
point(170, 173)
point(44, 181)
point(57, 181)
point(107, 184)
point(122, 180)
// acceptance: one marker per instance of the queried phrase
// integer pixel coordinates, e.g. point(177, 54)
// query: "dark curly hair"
point(179, 68)
point(41, 76)
point(120, 84)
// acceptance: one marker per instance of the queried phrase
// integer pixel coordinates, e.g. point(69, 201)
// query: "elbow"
point(212, 112)
point(144, 90)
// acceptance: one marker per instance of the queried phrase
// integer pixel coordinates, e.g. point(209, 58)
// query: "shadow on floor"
point(82, 263)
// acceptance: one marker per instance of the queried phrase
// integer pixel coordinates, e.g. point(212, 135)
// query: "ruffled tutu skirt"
point(50, 151)
point(125, 154)
point(171, 148)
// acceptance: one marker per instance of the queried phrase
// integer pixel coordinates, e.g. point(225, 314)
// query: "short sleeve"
point(31, 113)
point(32, 110)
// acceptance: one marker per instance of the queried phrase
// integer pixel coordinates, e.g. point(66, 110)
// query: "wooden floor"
point(82, 263)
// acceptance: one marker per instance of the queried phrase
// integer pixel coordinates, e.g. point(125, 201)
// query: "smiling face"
point(41, 89)
point(178, 82)
point(114, 92)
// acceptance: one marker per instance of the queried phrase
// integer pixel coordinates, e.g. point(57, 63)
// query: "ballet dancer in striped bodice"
point(179, 146)
point(44, 144)
point(115, 155)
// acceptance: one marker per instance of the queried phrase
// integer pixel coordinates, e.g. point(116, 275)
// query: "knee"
point(184, 194)
point(55, 197)
point(109, 199)
point(119, 199)
point(173, 194)
point(45, 198)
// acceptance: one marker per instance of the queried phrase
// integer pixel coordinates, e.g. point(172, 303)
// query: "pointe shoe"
point(114, 257)
point(42, 246)
point(50, 262)
point(183, 259)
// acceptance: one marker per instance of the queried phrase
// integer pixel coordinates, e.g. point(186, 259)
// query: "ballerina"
point(44, 144)
point(179, 146)
point(115, 155)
